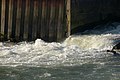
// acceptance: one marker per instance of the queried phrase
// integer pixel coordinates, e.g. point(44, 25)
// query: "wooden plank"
point(35, 18)
point(51, 22)
point(0, 18)
point(60, 21)
point(14, 15)
point(38, 34)
point(3, 18)
point(10, 19)
point(56, 18)
point(26, 19)
point(63, 22)
point(47, 18)
point(30, 26)
point(68, 13)
point(54, 21)
point(22, 20)
point(6, 19)
point(43, 23)
point(18, 18)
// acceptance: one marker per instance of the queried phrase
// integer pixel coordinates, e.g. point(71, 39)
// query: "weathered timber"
point(31, 19)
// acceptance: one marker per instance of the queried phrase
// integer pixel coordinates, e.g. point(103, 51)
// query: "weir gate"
point(52, 20)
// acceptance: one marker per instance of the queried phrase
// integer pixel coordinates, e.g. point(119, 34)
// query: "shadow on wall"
point(86, 14)
point(101, 27)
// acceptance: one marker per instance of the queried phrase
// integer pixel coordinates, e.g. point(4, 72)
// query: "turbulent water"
point(82, 56)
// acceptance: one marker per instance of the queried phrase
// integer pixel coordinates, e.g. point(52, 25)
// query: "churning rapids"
point(85, 52)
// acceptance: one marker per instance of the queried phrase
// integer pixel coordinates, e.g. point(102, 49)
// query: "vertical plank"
point(26, 19)
point(63, 17)
point(56, 18)
point(60, 21)
point(47, 19)
point(53, 18)
point(14, 15)
point(6, 19)
point(49, 9)
point(38, 34)
point(22, 20)
point(68, 20)
point(35, 18)
point(0, 18)
point(43, 24)
point(51, 22)
point(19, 4)
point(30, 20)
point(3, 18)
point(10, 18)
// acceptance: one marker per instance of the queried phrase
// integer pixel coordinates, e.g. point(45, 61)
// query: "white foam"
point(91, 42)
point(75, 50)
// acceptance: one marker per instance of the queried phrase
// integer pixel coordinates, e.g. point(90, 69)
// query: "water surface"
point(79, 57)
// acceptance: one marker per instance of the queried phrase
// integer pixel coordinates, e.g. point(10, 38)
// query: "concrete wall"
point(93, 11)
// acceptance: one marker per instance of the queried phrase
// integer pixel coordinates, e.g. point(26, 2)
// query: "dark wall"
point(86, 12)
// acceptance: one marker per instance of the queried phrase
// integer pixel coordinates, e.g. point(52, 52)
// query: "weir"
point(52, 20)
point(31, 19)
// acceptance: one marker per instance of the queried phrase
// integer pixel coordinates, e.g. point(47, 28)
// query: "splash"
point(103, 41)
point(75, 50)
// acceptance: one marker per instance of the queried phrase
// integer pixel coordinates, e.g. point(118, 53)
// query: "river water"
point(82, 56)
